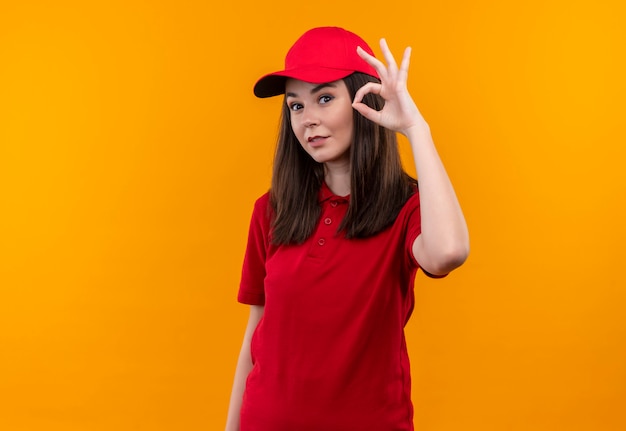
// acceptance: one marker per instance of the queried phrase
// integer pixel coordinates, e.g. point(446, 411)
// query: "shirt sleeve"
point(414, 229)
point(252, 286)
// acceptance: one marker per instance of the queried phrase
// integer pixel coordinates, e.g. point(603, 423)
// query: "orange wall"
point(132, 149)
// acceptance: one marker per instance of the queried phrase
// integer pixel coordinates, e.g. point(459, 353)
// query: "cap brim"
point(273, 84)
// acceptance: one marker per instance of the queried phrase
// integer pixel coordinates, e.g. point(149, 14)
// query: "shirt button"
point(327, 220)
point(321, 241)
point(333, 204)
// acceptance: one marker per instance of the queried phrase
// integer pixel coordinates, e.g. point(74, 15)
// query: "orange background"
point(132, 149)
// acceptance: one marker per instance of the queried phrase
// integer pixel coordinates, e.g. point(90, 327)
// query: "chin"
point(325, 158)
point(322, 160)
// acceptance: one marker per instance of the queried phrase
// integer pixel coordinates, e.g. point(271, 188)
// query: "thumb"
point(366, 111)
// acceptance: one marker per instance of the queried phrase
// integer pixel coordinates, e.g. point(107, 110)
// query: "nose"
point(310, 123)
point(310, 118)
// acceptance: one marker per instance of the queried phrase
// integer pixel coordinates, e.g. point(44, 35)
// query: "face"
point(321, 119)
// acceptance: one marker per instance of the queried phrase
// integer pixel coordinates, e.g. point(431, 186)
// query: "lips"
point(316, 140)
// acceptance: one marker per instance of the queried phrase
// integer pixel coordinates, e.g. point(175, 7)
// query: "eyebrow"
point(315, 89)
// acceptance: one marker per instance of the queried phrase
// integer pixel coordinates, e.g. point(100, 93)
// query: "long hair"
point(379, 187)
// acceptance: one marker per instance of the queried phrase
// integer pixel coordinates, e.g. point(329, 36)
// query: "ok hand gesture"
point(400, 112)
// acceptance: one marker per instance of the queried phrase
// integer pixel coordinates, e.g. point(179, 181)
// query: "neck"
point(337, 177)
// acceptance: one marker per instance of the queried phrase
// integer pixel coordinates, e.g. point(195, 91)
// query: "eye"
point(295, 106)
point(325, 98)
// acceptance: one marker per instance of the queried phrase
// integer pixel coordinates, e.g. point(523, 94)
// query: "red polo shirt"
point(329, 353)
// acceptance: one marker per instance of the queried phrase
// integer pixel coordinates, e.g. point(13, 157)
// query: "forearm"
point(244, 366)
point(444, 242)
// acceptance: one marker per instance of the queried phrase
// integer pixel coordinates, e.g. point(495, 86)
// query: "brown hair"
point(379, 187)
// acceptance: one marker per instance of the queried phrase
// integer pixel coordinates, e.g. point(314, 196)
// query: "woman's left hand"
point(400, 112)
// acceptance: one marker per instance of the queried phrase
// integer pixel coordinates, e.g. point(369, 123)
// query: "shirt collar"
point(326, 194)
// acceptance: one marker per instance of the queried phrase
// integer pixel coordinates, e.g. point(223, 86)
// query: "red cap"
point(323, 54)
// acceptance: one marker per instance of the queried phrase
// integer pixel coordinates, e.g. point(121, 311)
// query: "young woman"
point(334, 247)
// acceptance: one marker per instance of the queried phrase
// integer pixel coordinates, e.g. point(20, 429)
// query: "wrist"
point(417, 130)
